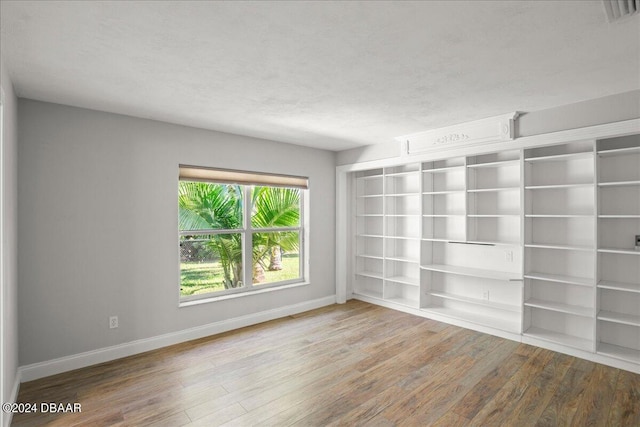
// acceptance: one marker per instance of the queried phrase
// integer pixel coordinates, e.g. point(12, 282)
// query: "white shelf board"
point(624, 353)
point(618, 183)
point(625, 319)
point(556, 216)
point(580, 281)
point(404, 301)
point(369, 215)
point(619, 286)
point(472, 272)
point(560, 247)
point(371, 274)
point(556, 186)
point(492, 190)
point(619, 151)
point(494, 242)
point(484, 303)
point(560, 157)
point(405, 280)
point(440, 239)
point(370, 256)
point(499, 163)
point(494, 216)
point(403, 173)
point(559, 338)
point(619, 216)
point(402, 237)
point(368, 293)
point(402, 215)
point(377, 236)
point(559, 307)
point(618, 251)
point(444, 215)
point(444, 170)
point(403, 259)
point(442, 192)
point(369, 196)
point(409, 194)
point(363, 178)
point(510, 325)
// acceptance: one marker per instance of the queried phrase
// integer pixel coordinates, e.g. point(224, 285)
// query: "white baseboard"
point(81, 360)
point(13, 398)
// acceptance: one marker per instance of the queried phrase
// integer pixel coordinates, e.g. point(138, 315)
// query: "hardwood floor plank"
point(541, 391)
point(221, 416)
point(505, 399)
point(564, 403)
point(435, 400)
point(595, 404)
point(469, 406)
point(625, 409)
point(353, 364)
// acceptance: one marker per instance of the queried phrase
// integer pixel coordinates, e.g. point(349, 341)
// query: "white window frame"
point(211, 175)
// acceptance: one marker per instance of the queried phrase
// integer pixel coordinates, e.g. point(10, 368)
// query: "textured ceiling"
point(332, 75)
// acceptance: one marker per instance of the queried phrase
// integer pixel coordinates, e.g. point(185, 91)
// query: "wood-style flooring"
point(351, 364)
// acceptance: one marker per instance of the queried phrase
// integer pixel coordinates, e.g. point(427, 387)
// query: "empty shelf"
point(618, 183)
point(556, 186)
point(413, 281)
point(619, 286)
point(509, 324)
point(498, 163)
point(624, 353)
point(619, 151)
point(369, 274)
point(619, 251)
point(560, 157)
point(559, 307)
point(484, 303)
point(559, 338)
point(625, 319)
point(490, 190)
point(581, 281)
point(473, 272)
point(559, 247)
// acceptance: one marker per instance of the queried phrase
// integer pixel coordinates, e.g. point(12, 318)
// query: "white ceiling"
point(332, 75)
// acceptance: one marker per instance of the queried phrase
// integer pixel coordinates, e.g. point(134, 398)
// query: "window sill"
point(207, 300)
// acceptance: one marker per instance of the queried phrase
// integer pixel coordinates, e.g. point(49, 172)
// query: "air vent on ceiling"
point(618, 9)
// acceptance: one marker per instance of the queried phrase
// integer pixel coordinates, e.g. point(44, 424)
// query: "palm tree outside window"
point(221, 213)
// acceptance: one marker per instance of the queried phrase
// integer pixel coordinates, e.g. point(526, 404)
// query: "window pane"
point(276, 257)
point(209, 206)
point(275, 207)
point(210, 263)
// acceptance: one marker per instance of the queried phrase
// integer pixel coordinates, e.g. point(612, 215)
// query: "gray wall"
point(98, 226)
point(9, 239)
point(609, 109)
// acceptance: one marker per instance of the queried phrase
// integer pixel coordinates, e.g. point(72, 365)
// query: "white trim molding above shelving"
point(491, 129)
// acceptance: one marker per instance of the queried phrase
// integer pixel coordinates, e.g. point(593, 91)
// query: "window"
point(221, 213)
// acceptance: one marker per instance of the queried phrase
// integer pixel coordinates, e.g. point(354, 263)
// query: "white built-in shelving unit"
point(401, 239)
point(560, 244)
point(536, 244)
point(471, 240)
point(618, 284)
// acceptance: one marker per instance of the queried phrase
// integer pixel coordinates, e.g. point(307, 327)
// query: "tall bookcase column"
point(618, 286)
point(560, 267)
point(369, 237)
point(402, 234)
point(471, 257)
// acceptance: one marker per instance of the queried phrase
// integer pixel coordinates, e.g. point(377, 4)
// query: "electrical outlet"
point(485, 295)
point(113, 322)
point(508, 256)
